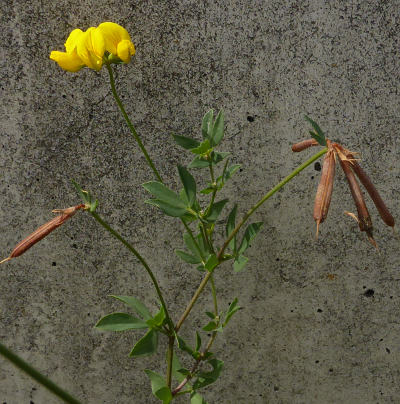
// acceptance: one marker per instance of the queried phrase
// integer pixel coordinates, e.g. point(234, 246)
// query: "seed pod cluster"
point(351, 169)
point(43, 231)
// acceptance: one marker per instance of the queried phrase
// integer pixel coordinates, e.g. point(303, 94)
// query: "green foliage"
point(186, 142)
point(249, 234)
point(120, 322)
point(233, 308)
point(206, 378)
point(189, 185)
point(136, 305)
point(318, 135)
point(215, 211)
point(147, 345)
point(159, 387)
point(86, 196)
point(239, 263)
point(168, 201)
point(212, 262)
point(230, 226)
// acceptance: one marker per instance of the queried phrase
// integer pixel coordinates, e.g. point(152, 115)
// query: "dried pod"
point(325, 187)
point(370, 187)
point(43, 231)
point(363, 218)
point(305, 144)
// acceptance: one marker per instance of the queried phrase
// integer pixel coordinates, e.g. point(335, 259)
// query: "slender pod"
point(370, 187)
point(363, 217)
point(325, 187)
point(43, 231)
point(305, 144)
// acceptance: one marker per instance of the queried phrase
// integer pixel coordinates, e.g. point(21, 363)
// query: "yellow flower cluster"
point(90, 48)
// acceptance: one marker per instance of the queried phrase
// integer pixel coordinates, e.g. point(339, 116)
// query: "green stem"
point(170, 357)
point(220, 255)
point(214, 295)
point(142, 261)
point(36, 375)
point(188, 229)
point(129, 123)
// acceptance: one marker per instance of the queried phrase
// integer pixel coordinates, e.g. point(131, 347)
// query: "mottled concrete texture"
point(320, 319)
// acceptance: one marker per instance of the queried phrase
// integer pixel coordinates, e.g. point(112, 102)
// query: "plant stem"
point(36, 375)
point(129, 123)
point(142, 261)
point(220, 255)
point(170, 356)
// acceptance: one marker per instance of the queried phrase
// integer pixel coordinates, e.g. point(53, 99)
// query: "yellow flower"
point(69, 60)
point(89, 48)
point(117, 41)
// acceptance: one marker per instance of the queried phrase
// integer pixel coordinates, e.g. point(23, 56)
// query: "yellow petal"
point(71, 42)
point(86, 50)
point(113, 34)
point(67, 61)
point(125, 50)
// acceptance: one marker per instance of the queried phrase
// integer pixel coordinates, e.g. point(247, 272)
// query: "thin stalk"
point(142, 261)
point(170, 357)
point(36, 375)
point(214, 295)
point(129, 123)
point(220, 255)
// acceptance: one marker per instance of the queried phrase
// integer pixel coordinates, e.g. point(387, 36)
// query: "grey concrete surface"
point(320, 319)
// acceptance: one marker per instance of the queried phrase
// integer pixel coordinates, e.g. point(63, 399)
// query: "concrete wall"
point(320, 319)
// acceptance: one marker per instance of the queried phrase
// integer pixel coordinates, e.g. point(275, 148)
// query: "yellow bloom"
point(88, 48)
point(117, 41)
point(69, 60)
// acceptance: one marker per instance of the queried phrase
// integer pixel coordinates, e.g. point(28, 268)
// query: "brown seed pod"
point(370, 187)
point(325, 187)
point(43, 231)
point(305, 144)
point(363, 218)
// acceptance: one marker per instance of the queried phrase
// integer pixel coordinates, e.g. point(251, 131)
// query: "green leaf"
point(196, 398)
point(318, 135)
point(215, 210)
point(87, 198)
point(198, 341)
point(233, 308)
point(218, 129)
point(203, 148)
point(217, 157)
point(211, 326)
point(177, 369)
point(164, 194)
point(211, 315)
point(206, 125)
point(159, 387)
point(189, 184)
point(158, 319)
point(136, 305)
point(199, 162)
point(207, 190)
point(212, 262)
point(239, 263)
point(190, 259)
point(190, 244)
point(182, 345)
point(230, 171)
point(249, 234)
point(230, 226)
point(170, 210)
point(147, 345)
point(186, 142)
point(206, 378)
point(120, 322)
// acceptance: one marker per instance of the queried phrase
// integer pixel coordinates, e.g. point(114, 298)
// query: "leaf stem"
point(170, 356)
point(220, 255)
point(36, 375)
point(129, 123)
point(142, 261)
